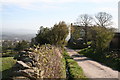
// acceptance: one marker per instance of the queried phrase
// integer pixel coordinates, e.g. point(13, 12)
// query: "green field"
point(7, 63)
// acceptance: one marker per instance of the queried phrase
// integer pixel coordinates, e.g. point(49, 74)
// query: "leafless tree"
point(103, 19)
point(85, 20)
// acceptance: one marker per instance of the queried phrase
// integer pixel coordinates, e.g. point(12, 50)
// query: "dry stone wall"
point(38, 63)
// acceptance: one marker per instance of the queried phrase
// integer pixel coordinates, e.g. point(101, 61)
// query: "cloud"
point(1, 8)
point(108, 9)
point(29, 3)
point(50, 4)
point(101, 1)
point(21, 3)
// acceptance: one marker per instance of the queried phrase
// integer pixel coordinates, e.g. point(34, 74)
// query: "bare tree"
point(103, 19)
point(85, 20)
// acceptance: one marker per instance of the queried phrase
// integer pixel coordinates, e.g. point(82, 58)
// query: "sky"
point(26, 16)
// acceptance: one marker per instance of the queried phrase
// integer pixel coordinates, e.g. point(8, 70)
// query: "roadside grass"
point(63, 70)
point(7, 63)
point(75, 71)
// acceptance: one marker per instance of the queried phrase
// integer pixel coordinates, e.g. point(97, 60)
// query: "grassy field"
point(7, 63)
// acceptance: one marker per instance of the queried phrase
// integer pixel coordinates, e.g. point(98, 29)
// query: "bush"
point(89, 52)
point(101, 38)
point(55, 35)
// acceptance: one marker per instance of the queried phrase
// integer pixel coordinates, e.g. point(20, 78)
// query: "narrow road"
point(93, 69)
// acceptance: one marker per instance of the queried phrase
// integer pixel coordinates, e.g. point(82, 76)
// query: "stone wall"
point(41, 62)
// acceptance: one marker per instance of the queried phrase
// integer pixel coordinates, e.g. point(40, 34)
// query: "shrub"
point(55, 35)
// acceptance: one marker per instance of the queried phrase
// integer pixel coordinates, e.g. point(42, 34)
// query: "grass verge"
point(74, 70)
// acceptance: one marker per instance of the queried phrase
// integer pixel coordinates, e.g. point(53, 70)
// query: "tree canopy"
point(22, 45)
point(101, 37)
point(97, 29)
point(55, 35)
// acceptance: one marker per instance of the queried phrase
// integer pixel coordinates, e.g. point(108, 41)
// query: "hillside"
point(15, 36)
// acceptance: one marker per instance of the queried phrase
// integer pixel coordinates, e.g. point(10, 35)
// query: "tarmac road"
point(93, 69)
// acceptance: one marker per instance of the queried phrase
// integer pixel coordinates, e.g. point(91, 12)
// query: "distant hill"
point(15, 36)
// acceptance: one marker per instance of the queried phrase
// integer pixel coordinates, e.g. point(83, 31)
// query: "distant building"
point(77, 35)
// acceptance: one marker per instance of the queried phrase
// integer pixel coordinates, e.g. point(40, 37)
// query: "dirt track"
point(93, 69)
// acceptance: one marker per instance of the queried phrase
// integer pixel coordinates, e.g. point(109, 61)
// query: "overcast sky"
point(29, 15)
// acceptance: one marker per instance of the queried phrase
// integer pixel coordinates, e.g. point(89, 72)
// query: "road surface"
point(93, 69)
